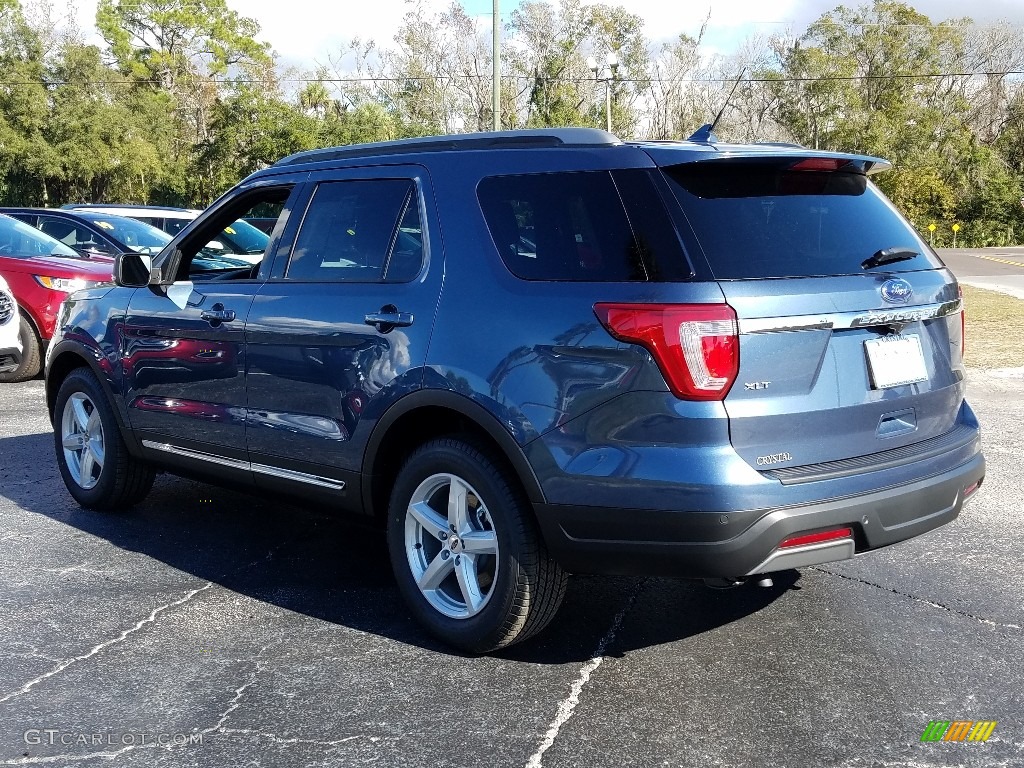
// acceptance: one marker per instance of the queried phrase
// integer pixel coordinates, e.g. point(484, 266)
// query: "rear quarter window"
point(561, 226)
point(762, 219)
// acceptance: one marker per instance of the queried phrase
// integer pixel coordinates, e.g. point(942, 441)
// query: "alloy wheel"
point(451, 545)
point(82, 440)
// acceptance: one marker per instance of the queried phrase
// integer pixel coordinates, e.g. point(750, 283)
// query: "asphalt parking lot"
point(210, 628)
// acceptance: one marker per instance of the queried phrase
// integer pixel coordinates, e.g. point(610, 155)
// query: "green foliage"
point(843, 86)
point(164, 40)
point(184, 100)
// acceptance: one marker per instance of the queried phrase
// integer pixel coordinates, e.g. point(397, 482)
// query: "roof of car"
point(662, 152)
point(537, 138)
point(152, 210)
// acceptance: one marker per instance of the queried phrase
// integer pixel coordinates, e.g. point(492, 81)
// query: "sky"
point(305, 32)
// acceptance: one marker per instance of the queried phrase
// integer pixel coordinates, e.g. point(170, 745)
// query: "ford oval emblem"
point(897, 291)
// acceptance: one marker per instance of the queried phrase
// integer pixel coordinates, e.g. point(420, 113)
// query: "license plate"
point(895, 360)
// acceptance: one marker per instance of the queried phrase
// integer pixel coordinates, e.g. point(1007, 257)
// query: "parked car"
point(683, 359)
point(238, 239)
point(94, 234)
point(263, 224)
point(40, 272)
point(10, 330)
point(103, 235)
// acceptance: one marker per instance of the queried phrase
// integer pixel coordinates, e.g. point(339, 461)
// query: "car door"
point(341, 329)
point(184, 342)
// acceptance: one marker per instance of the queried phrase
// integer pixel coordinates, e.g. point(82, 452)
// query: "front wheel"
point(93, 459)
point(465, 549)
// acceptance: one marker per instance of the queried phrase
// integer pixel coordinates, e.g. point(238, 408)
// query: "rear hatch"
point(850, 326)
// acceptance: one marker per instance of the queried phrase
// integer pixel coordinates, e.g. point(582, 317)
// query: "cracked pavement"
point(275, 636)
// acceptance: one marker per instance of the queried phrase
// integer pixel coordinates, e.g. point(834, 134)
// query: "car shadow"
point(336, 569)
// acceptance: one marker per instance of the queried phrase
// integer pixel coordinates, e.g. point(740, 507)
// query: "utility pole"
point(496, 63)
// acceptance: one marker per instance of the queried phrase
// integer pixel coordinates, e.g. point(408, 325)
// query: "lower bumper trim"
point(801, 557)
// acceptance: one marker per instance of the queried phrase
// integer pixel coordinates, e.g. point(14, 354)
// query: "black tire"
point(31, 355)
point(526, 587)
point(122, 480)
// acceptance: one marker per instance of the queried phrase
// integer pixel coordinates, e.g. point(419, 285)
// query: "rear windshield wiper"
point(888, 256)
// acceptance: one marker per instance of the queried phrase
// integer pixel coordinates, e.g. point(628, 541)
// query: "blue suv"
point(532, 353)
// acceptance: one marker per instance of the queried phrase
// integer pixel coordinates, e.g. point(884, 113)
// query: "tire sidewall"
point(85, 382)
point(442, 456)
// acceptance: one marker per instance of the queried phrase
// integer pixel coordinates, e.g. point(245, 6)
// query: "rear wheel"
point(465, 549)
point(93, 459)
point(31, 355)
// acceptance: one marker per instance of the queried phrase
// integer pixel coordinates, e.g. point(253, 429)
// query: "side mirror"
point(132, 270)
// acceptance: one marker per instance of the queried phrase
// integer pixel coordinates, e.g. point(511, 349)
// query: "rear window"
point(762, 219)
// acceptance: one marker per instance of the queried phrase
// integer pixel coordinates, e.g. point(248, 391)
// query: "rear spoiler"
point(678, 153)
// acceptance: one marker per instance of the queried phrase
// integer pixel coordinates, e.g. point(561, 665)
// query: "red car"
point(41, 271)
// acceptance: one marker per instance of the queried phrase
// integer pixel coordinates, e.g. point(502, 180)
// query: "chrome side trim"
point(801, 557)
point(287, 474)
point(199, 455)
point(843, 320)
point(301, 477)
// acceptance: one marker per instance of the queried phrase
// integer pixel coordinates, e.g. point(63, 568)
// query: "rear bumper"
point(675, 543)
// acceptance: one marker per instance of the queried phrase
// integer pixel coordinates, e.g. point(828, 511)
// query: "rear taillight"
point(696, 346)
point(816, 538)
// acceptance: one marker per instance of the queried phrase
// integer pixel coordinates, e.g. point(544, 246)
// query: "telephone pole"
point(496, 62)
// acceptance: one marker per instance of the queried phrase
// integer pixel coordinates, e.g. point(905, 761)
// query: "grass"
point(995, 329)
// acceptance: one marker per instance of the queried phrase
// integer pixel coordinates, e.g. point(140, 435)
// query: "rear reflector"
point(696, 346)
point(816, 538)
point(971, 488)
point(963, 323)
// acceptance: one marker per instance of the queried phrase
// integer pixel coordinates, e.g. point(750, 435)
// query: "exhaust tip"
point(724, 583)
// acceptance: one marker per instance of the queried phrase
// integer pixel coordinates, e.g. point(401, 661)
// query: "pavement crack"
point(223, 717)
point(915, 598)
point(124, 635)
point(288, 740)
point(66, 759)
point(236, 700)
point(567, 706)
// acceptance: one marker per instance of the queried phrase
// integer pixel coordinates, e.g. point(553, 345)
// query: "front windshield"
point(20, 240)
point(135, 234)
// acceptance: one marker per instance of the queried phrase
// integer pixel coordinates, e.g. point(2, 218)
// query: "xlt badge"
point(750, 386)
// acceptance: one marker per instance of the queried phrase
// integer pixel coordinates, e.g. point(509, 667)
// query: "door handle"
point(217, 314)
point(388, 318)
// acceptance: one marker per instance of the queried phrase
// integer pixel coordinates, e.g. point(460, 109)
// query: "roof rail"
point(523, 139)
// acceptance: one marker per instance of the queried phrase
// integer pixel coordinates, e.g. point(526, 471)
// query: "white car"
point(10, 341)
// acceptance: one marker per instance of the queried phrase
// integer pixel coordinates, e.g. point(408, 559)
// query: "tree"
point(165, 40)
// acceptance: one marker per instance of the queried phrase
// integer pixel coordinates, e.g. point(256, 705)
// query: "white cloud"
point(305, 31)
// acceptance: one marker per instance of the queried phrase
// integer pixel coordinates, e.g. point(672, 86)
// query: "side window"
point(354, 230)
point(561, 226)
point(172, 226)
point(204, 256)
point(76, 235)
